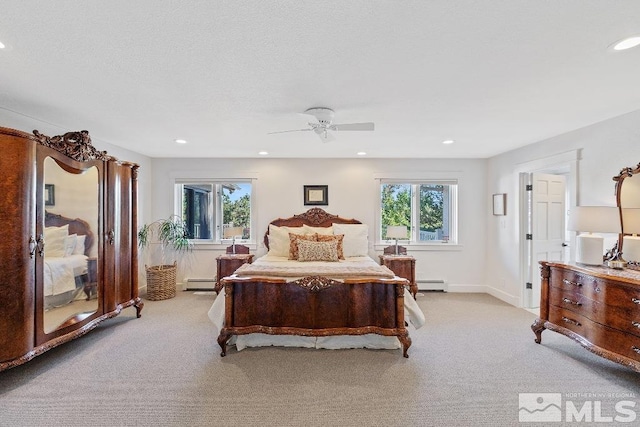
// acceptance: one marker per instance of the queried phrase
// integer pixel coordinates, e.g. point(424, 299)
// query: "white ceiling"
point(492, 75)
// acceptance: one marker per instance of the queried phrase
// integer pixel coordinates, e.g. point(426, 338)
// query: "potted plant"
point(171, 235)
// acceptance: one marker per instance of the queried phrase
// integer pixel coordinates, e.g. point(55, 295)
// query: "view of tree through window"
point(208, 208)
point(423, 208)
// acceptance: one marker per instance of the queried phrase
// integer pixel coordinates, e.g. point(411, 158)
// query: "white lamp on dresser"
point(589, 220)
point(397, 232)
point(631, 225)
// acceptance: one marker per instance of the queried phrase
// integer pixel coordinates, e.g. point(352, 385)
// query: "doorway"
point(547, 188)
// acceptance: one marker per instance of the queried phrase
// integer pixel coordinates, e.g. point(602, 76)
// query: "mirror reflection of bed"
point(70, 256)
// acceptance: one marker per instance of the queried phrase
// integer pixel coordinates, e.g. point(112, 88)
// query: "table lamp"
point(397, 232)
point(231, 233)
point(589, 220)
point(631, 225)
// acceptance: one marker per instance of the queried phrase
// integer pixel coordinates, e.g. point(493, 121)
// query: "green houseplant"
point(170, 234)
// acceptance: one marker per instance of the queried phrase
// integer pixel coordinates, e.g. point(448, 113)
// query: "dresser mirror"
point(628, 197)
point(72, 206)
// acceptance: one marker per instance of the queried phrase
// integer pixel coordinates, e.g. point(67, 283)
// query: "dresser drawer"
point(616, 341)
point(589, 286)
point(605, 314)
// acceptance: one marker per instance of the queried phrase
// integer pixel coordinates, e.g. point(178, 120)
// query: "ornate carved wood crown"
point(76, 145)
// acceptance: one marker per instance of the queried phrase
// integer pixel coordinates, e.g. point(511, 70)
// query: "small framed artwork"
point(500, 204)
point(316, 195)
point(49, 195)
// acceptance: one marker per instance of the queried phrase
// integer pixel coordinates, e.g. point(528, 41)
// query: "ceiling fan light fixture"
point(627, 43)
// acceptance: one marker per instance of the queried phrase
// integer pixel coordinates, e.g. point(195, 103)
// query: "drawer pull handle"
point(571, 321)
point(568, 301)
point(635, 300)
point(569, 282)
point(636, 349)
point(636, 324)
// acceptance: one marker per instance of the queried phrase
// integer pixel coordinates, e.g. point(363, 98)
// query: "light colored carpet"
point(466, 367)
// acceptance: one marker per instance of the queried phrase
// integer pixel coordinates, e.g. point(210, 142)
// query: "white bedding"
point(60, 273)
point(413, 314)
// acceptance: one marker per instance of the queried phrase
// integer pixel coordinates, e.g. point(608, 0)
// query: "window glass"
point(427, 209)
point(208, 208)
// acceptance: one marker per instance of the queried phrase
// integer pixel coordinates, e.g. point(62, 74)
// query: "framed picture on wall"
point(316, 195)
point(500, 204)
point(49, 195)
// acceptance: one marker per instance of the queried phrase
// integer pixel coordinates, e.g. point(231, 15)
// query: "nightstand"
point(403, 266)
point(227, 264)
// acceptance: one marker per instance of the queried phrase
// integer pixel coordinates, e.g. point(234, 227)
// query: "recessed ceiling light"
point(448, 141)
point(263, 153)
point(2, 46)
point(627, 43)
point(361, 153)
point(181, 141)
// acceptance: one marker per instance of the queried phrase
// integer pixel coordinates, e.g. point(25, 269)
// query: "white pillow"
point(320, 230)
point(70, 244)
point(279, 239)
point(79, 249)
point(356, 239)
point(54, 240)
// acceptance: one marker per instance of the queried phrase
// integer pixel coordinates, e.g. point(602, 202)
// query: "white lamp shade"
point(397, 231)
point(631, 220)
point(231, 232)
point(589, 249)
point(603, 219)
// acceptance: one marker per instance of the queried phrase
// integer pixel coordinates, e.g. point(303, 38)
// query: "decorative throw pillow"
point(336, 237)
point(317, 230)
point(70, 244)
point(356, 238)
point(294, 239)
point(317, 251)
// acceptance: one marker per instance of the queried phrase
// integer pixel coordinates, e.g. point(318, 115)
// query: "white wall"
point(353, 193)
point(604, 149)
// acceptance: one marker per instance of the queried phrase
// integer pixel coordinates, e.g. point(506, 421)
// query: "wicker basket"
point(161, 282)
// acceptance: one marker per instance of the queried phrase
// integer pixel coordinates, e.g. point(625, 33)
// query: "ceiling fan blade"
point(353, 126)
point(293, 130)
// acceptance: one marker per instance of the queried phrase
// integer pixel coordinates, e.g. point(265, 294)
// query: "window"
point(427, 208)
point(207, 208)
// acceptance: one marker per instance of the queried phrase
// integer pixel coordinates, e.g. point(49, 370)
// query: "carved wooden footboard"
point(314, 306)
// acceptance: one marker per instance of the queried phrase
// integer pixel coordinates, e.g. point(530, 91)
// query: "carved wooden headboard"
point(314, 217)
point(76, 226)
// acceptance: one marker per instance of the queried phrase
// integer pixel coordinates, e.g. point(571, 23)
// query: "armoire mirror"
point(70, 254)
point(628, 197)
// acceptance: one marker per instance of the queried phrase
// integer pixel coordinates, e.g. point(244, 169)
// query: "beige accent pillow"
point(356, 239)
point(279, 239)
point(317, 251)
point(294, 239)
point(336, 237)
point(317, 230)
point(54, 240)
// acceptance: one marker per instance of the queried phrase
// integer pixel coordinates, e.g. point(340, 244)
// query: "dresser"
point(403, 266)
point(228, 263)
point(598, 307)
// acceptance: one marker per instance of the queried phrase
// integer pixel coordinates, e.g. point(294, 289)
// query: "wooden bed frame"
point(314, 305)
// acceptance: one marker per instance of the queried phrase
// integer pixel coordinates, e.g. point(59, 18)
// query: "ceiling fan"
point(325, 124)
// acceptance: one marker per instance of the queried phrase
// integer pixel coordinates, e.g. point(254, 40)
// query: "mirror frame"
point(617, 251)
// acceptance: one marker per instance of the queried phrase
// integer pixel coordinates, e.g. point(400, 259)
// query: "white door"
point(547, 226)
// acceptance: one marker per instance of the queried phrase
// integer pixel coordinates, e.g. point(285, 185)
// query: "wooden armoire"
point(62, 191)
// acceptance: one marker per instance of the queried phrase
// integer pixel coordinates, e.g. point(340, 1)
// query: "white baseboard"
point(501, 295)
point(479, 289)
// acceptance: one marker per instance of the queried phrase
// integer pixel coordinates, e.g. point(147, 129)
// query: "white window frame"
point(413, 242)
point(216, 207)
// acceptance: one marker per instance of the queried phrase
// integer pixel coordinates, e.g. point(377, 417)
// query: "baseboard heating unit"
point(192, 284)
point(431, 285)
